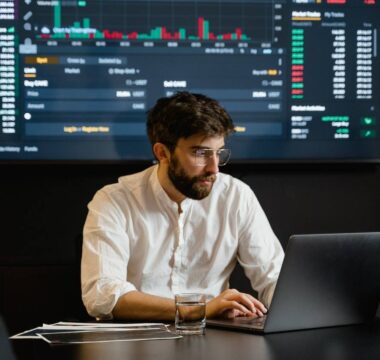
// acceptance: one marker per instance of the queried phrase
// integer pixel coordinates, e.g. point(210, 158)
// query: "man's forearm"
point(136, 305)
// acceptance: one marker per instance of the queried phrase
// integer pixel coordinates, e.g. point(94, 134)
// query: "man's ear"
point(161, 152)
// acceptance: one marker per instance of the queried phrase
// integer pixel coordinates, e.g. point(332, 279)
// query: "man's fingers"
point(238, 306)
point(248, 302)
point(232, 303)
point(243, 299)
point(254, 305)
point(259, 305)
point(233, 313)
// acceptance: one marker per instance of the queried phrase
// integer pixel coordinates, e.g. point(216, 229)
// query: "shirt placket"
point(177, 275)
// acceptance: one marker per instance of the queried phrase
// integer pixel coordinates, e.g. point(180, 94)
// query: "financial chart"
point(300, 78)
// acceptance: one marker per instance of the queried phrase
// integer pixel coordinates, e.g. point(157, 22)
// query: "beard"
point(191, 187)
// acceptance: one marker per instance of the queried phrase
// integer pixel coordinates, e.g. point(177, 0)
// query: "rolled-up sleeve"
point(105, 256)
point(259, 253)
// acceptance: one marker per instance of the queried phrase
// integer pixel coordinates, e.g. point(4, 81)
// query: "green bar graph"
point(206, 30)
point(182, 34)
point(86, 23)
point(157, 33)
point(57, 14)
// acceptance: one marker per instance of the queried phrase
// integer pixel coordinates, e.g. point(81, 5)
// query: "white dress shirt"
point(135, 239)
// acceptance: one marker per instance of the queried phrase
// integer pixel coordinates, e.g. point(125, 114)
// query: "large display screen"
point(300, 78)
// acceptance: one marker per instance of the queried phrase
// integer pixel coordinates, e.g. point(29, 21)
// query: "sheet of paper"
point(27, 334)
point(101, 325)
point(80, 326)
point(88, 336)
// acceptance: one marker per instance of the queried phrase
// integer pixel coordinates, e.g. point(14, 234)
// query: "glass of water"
point(190, 314)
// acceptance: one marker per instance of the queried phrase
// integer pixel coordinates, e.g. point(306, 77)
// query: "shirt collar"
point(163, 198)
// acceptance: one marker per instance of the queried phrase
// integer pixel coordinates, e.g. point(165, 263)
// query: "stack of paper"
point(76, 333)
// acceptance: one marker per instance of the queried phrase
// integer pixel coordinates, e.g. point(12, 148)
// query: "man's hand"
point(232, 303)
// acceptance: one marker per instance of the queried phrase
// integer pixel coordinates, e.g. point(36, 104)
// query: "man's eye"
point(201, 153)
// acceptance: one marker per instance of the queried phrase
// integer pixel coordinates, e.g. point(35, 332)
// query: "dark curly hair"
point(185, 114)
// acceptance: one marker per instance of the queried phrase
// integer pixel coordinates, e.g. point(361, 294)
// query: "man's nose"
point(212, 165)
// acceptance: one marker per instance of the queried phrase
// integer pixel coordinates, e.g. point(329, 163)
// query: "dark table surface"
point(339, 343)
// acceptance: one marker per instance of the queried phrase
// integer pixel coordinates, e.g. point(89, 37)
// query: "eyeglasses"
point(202, 156)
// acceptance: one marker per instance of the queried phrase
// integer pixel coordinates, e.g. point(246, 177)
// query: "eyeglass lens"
point(204, 155)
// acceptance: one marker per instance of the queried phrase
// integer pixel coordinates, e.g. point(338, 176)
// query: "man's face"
point(187, 176)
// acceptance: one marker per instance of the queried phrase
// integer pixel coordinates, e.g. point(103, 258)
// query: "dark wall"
point(43, 208)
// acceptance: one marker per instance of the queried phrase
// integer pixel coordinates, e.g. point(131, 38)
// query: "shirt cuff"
point(107, 295)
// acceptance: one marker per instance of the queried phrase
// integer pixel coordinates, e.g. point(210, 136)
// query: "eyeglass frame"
point(203, 159)
point(196, 149)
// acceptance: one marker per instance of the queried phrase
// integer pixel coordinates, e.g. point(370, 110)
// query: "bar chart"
point(157, 20)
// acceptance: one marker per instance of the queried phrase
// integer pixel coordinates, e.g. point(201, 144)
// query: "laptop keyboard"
point(257, 322)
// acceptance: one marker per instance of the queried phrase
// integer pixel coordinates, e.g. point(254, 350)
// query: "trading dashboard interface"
point(300, 78)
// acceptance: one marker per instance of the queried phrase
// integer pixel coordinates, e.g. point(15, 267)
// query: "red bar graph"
point(201, 21)
point(336, 1)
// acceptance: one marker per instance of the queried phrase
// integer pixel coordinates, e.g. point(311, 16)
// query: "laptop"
point(325, 280)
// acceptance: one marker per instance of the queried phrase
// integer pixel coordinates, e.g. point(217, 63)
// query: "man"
point(179, 226)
